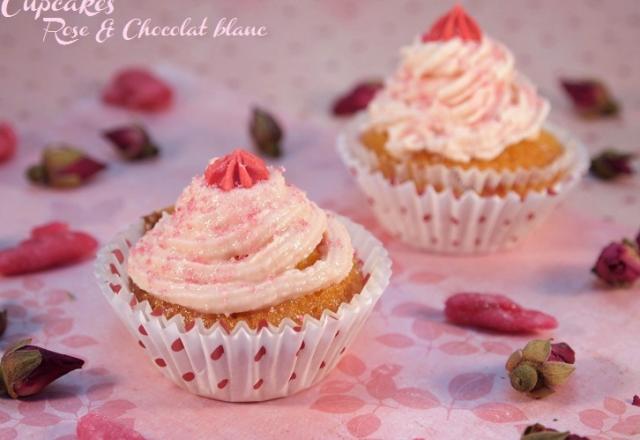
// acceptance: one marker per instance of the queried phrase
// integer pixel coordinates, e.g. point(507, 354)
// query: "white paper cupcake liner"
point(455, 222)
point(460, 180)
point(245, 365)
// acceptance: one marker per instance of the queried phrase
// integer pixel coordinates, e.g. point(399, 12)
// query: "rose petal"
point(8, 142)
point(495, 312)
point(138, 89)
point(49, 246)
point(357, 98)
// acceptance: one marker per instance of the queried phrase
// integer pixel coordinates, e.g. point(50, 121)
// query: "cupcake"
point(244, 290)
point(455, 152)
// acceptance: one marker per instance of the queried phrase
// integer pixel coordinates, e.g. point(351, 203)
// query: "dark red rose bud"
point(636, 400)
point(64, 167)
point(590, 98)
point(638, 240)
point(357, 98)
point(611, 164)
point(132, 142)
point(8, 142)
point(618, 264)
point(265, 133)
point(27, 369)
point(562, 352)
point(3, 322)
point(138, 89)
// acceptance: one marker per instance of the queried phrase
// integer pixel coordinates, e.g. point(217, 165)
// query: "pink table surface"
point(409, 374)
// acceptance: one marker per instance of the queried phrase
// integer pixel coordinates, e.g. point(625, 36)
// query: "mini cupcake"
point(455, 153)
point(244, 290)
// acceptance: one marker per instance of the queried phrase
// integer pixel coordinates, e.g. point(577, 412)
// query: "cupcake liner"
point(459, 179)
point(245, 365)
point(455, 222)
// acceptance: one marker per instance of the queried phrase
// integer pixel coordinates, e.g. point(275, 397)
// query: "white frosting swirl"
point(235, 251)
point(462, 100)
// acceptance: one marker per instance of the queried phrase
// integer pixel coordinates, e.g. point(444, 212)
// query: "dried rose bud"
point(3, 322)
point(618, 264)
point(132, 141)
point(357, 98)
point(27, 369)
point(590, 98)
point(537, 368)
point(638, 240)
point(611, 164)
point(8, 142)
point(636, 400)
point(64, 167)
point(541, 432)
point(266, 133)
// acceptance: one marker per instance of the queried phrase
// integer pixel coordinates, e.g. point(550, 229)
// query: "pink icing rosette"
point(232, 245)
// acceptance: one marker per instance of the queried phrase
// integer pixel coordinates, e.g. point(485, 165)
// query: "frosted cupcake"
point(244, 290)
point(454, 152)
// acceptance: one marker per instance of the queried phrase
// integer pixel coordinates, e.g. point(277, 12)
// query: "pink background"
point(409, 374)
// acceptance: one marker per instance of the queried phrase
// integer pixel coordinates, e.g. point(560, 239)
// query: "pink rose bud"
point(357, 98)
point(590, 98)
point(618, 264)
point(27, 369)
point(8, 142)
point(132, 142)
point(138, 89)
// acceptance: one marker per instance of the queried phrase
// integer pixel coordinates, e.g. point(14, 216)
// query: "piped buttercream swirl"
point(461, 99)
point(235, 251)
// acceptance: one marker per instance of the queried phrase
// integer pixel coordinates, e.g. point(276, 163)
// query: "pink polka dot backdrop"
point(409, 374)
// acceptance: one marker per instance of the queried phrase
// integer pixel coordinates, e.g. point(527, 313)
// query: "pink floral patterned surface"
point(409, 374)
